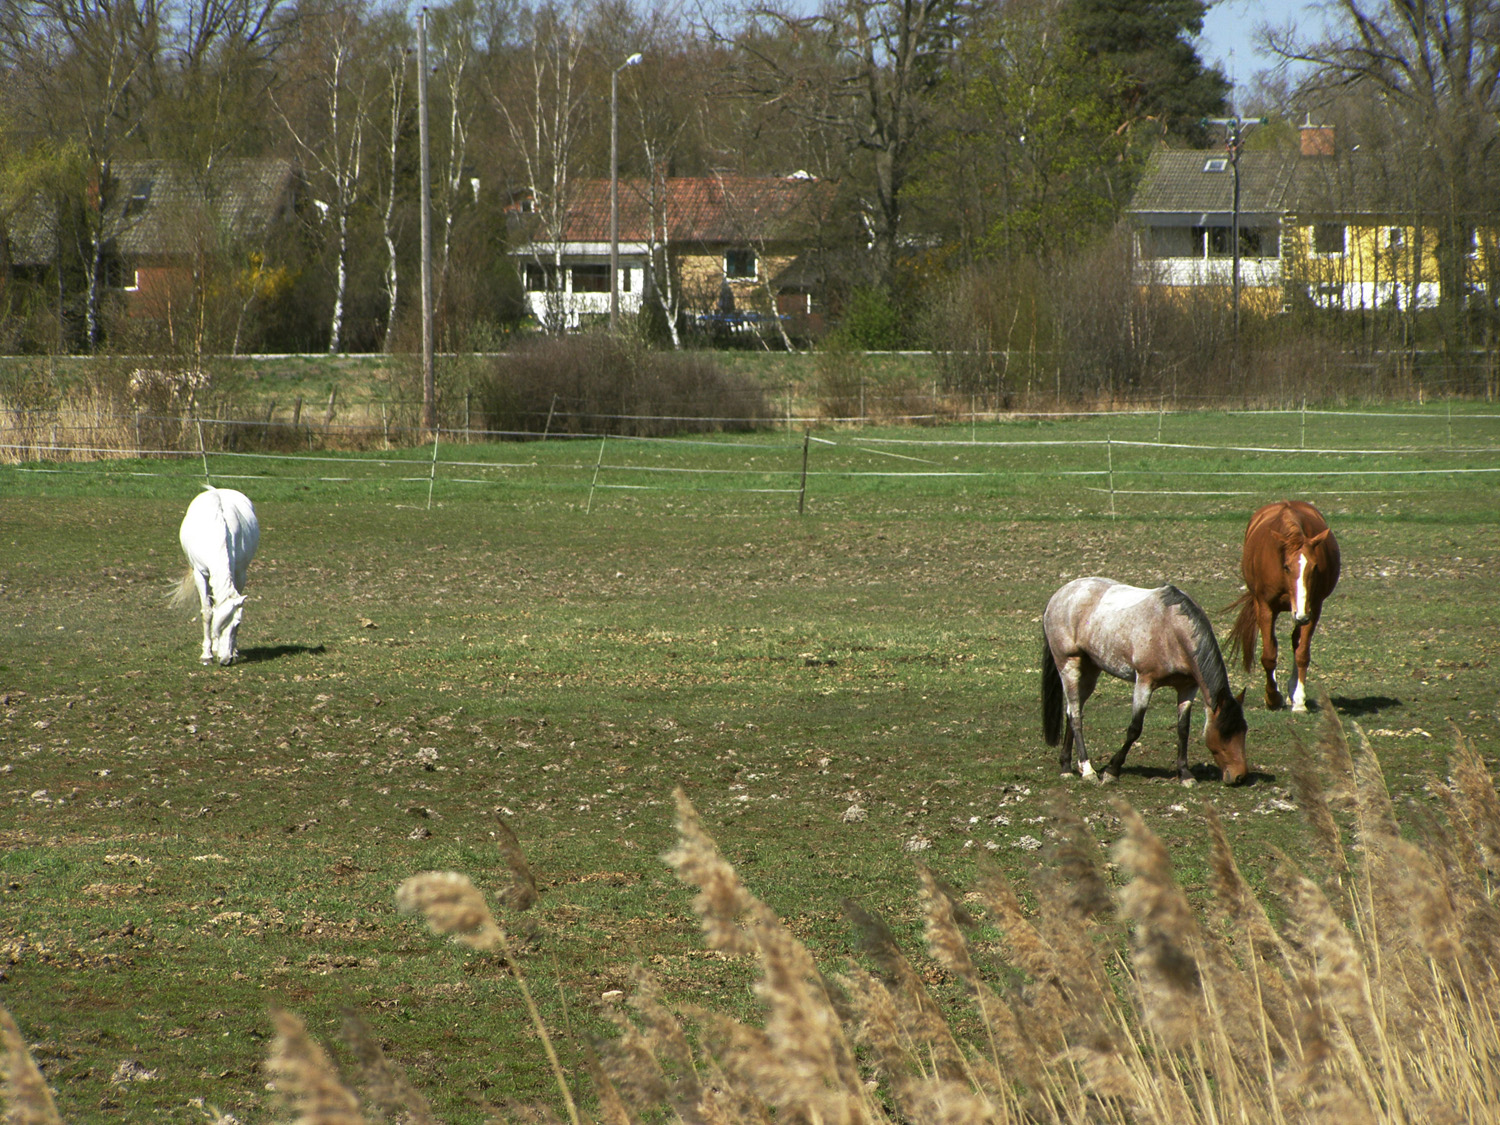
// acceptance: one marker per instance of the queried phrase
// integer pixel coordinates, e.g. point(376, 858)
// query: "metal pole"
point(614, 190)
point(429, 381)
point(614, 199)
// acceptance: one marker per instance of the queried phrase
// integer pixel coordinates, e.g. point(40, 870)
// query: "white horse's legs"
point(206, 608)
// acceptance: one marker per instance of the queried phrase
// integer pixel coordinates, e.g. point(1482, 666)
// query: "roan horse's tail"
point(1052, 698)
point(1242, 633)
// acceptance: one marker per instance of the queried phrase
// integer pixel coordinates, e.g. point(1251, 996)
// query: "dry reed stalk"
point(951, 950)
point(1475, 798)
point(1375, 814)
point(1312, 801)
point(387, 1085)
point(521, 893)
point(22, 1088)
point(453, 907)
point(1331, 972)
point(1459, 856)
point(1074, 863)
point(1166, 944)
point(801, 1063)
point(1274, 1005)
point(1338, 764)
point(306, 1077)
point(722, 900)
point(612, 1108)
point(917, 1015)
point(1067, 985)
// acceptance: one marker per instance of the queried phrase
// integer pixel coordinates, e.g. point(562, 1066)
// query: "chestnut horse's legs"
point(1266, 618)
point(1079, 674)
point(1302, 636)
point(1138, 701)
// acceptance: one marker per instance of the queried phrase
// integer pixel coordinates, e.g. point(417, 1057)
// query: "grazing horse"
point(1157, 638)
point(1290, 564)
point(219, 535)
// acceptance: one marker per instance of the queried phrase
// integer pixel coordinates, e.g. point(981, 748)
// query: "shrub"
point(602, 384)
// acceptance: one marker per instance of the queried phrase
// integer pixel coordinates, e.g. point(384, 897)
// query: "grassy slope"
point(186, 846)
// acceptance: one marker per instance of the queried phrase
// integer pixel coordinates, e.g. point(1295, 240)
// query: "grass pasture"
point(557, 634)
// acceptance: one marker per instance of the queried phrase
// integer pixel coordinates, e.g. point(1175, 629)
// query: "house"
point(156, 220)
point(1336, 226)
point(161, 218)
point(720, 251)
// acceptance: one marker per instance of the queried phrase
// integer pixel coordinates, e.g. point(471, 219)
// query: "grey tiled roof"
point(159, 208)
point(164, 208)
point(1178, 180)
point(1351, 183)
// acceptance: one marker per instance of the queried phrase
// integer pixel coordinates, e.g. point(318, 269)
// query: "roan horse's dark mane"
point(1230, 715)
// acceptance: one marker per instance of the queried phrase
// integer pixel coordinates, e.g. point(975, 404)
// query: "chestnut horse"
point(1157, 638)
point(1290, 564)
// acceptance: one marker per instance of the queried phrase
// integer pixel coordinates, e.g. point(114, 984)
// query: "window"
point(739, 263)
point(1217, 164)
point(1328, 238)
point(540, 278)
point(140, 195)
point(591, 279)
point(1395, 237)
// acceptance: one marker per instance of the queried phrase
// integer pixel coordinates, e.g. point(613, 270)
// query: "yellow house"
point(1337, 227)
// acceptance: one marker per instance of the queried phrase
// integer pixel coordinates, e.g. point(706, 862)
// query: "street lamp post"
point(1233, 142)
point(614, 189)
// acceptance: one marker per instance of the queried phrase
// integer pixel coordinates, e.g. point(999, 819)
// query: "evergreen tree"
point(1149, 43)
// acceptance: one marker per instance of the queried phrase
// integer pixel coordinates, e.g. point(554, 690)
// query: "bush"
point(602, 384)
point(872, 321)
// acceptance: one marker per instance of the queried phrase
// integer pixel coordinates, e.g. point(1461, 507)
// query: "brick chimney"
point(1317, 140)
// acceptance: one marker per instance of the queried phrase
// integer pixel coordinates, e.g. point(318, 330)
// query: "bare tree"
point(1435, 66)
point(328, 128)
point(543, 110)
point(873, 62)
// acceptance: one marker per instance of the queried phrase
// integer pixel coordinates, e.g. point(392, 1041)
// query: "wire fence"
point(1114, 455)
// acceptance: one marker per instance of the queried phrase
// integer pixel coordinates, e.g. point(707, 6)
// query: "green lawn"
point(186, 847)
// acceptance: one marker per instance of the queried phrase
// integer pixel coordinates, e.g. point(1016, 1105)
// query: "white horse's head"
point(226, 626)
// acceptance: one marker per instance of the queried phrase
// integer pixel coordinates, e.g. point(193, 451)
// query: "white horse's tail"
point(184, 593)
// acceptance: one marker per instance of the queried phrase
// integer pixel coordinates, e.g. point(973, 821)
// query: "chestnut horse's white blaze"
point(1291, 564)
point(219, 536)
point(1152, 638)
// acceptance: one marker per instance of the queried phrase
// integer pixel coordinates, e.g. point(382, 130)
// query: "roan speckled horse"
point(1156, 638)
point(1290, 563)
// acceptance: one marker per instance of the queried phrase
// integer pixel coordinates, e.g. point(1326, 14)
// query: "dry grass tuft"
point(24, 1090)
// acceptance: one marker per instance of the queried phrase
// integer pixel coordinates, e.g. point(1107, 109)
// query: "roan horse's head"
point(1300, 559)
point(1224, 731)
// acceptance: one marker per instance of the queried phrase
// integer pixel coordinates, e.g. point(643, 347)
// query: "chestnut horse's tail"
point(1242, 633)
point(1052, 697)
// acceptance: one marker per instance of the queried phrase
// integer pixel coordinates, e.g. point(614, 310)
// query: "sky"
point(1229, 34)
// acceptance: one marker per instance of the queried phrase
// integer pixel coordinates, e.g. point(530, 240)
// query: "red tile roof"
point(723, 209)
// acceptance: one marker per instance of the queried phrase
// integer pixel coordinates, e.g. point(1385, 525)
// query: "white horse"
point(219, 536)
